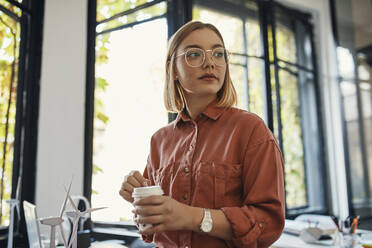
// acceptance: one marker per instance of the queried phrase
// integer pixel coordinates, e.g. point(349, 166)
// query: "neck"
point(197, 104)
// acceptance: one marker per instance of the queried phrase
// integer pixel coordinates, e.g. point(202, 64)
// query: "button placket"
point(191, 148)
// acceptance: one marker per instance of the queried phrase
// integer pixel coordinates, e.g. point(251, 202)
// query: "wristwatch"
point(207, 222)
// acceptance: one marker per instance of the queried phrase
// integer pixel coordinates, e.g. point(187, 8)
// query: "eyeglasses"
point(195, 57)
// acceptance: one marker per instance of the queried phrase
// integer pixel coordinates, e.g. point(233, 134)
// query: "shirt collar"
point(212, 112)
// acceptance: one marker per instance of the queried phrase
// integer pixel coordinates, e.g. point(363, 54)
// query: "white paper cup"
point(143, 192)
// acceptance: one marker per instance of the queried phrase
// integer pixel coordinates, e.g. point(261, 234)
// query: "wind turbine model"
point(54, 221)
point(76, 214)
point(14, 203)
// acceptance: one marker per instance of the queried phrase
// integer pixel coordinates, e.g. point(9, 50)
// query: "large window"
point(20, 43)
point(131, 42)
point(290, 108)
point(272, 68)
point(354, 53)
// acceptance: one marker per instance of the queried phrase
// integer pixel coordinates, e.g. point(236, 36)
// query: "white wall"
point(327, 66)
point(60, 150)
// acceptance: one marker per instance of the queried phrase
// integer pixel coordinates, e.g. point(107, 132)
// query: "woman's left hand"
point(164, 213)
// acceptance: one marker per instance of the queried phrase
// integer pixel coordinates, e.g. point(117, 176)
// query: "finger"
point(147, 182)
point(153, 229)
point(127, 187)
point(150, 200)
point(149, 210)
point(126, 195)
point(155, 219)
point(134, 182)
point(138, 176)
point(135, 220)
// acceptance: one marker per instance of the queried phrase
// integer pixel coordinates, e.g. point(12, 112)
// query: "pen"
point(354, 226)
point(335, 220)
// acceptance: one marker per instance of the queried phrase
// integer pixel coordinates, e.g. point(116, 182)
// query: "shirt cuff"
point(245, 227)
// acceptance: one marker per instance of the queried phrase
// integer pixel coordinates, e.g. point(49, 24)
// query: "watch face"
point(206, 226)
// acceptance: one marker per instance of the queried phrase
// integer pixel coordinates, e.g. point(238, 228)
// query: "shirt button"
point(185, 197)
point(186, 170)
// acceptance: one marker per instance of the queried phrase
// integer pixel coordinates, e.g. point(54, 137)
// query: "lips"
point(208, 76)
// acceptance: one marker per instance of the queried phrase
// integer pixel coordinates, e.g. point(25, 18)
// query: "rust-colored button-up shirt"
point(225, 159)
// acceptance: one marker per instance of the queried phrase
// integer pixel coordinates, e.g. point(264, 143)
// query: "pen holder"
point(350, 240)
point(346, 240)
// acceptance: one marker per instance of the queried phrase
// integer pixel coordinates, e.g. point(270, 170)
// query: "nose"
point(208, 60)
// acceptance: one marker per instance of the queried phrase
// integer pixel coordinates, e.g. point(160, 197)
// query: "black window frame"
point(364, 210)
point(27, 110)
point(266, 15)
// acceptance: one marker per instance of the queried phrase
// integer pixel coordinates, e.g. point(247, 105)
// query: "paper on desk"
point(291, 241)
point(323, 222)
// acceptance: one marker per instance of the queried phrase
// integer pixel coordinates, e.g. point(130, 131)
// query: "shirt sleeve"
point(260, 221)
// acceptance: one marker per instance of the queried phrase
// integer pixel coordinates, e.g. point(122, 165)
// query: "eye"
point(193, 54)
point(218, 54)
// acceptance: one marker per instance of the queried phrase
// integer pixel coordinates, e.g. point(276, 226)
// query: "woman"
point(220, 167)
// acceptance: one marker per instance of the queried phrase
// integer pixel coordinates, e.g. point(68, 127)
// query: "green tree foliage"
point(9, 52)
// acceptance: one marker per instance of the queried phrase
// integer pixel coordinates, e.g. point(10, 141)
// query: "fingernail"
point(145, 183)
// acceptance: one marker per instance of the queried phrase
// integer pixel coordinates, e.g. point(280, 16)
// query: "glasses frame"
point(227, 53)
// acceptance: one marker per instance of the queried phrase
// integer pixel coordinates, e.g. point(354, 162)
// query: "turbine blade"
point(63, 234)
point(92, 210)
point(65, 200)
point(72, 203)
point(74, 232)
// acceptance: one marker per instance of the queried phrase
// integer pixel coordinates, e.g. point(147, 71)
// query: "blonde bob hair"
point(174, 98)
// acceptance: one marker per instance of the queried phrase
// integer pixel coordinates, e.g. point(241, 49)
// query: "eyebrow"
point(197, 46)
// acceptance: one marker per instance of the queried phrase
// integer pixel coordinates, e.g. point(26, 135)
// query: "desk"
point(107, 245)
point(292, 241)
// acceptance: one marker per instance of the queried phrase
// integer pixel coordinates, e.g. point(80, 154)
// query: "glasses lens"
point(219, 56)
point(195, 57)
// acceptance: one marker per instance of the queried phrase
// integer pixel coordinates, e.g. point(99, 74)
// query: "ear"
point(175, 73)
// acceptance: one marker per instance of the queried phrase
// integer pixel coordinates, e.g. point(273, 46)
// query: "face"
point(207, 79)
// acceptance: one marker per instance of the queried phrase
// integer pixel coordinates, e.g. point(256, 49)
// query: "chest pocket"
point(217, 185)
point(164, 177)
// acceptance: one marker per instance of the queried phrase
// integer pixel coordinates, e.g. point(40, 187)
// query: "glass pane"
point(128, 110)
point(229, 26)
point(255, 81)
point(292, 140)
point(254, 45)
point(11, 7)
point(349, 94)
point(366, 96)
point(285, 43)
point(304, 52)
point(9, 54)
point(345, 63)
point(275, 105)
point(108, 8)
point(140, 15)
point(238, 78)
